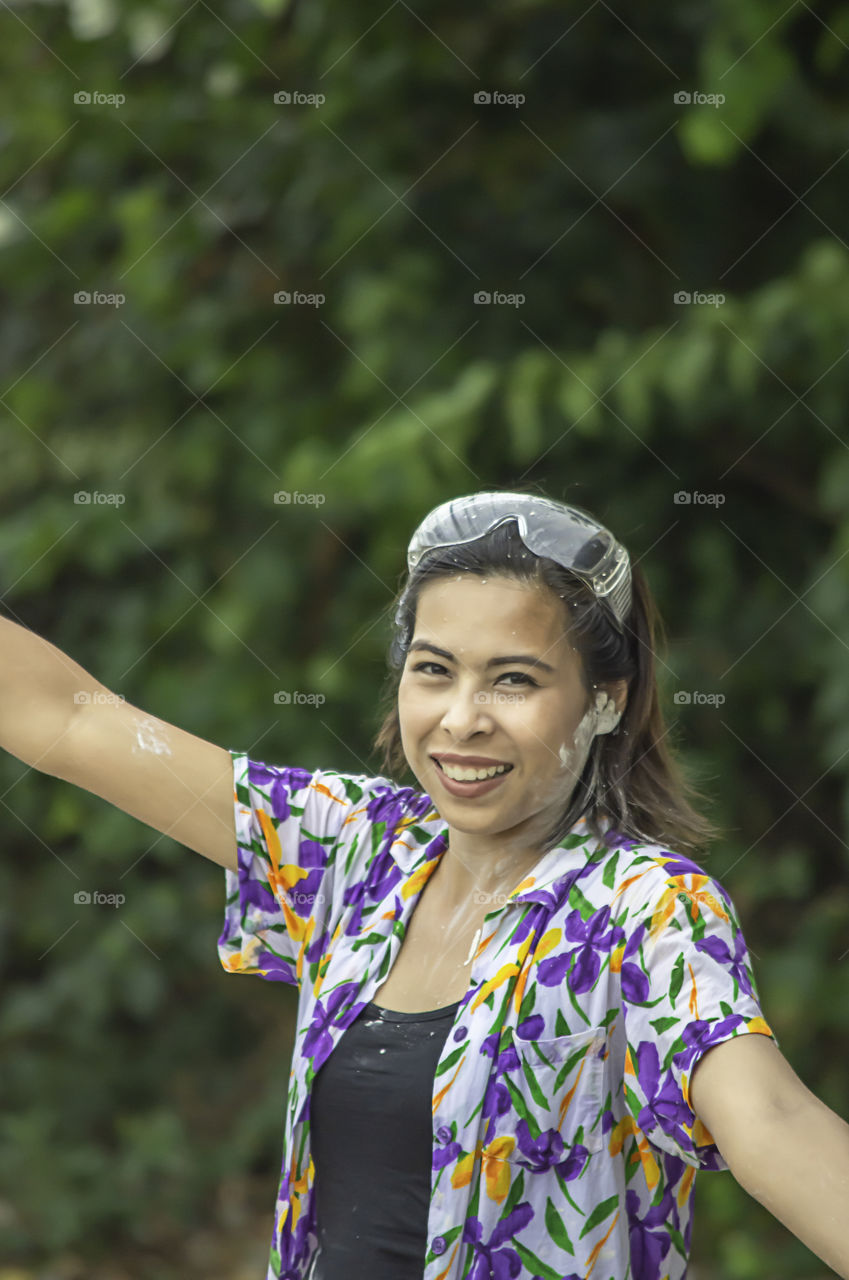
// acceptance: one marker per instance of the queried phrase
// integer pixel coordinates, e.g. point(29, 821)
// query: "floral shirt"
point(564, 1143)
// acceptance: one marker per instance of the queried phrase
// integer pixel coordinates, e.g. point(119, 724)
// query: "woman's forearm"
point(38, 687)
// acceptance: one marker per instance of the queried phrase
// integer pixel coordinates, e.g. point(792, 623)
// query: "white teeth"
point(472, 775)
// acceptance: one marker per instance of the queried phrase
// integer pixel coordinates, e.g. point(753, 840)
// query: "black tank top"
point(371, 1129)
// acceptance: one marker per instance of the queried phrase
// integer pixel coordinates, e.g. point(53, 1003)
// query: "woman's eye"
point(421, 666)
point(521, 676)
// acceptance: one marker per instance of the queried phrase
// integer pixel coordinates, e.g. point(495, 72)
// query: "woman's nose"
point(468, 711)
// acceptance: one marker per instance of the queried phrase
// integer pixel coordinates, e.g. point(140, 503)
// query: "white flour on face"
point(150, 736)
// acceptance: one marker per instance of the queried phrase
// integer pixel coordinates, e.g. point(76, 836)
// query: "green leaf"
point(580, 903)
point(556, 1228)
point(537, 1093)
point(599, 1213)
point(514, 1195)
point(677, 979)
point(535, 1265)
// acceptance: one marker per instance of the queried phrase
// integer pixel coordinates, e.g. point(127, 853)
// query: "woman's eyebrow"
point(524, 658)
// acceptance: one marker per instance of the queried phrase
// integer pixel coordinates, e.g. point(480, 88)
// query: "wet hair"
point(631, 775)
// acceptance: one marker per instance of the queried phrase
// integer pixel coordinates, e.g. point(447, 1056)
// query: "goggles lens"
point(551, 529)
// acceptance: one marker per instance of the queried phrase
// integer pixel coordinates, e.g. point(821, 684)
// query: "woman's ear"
point(618, 690)
point(610, 706)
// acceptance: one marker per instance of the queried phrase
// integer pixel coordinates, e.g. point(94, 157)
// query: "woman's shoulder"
point(642, 870)
point(362, 798)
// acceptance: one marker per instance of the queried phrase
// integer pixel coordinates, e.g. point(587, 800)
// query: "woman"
point(525, 1016)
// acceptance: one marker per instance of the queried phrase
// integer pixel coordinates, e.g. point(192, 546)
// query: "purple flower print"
point(548, 1150)
point(445, 1155)
point(312, 856)
point(283, 782)
point(719, 951)
point(635, 983)
point(318, 1041)
point(700, 1036)
point(585, 963)
point(253, 893)
point(491, 1261)
point(532, 1027)
point(649, 1239)
point(392, 804)
point(616, 840)
point(665, 1106)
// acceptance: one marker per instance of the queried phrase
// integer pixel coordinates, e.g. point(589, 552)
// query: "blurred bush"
point(143, 1085)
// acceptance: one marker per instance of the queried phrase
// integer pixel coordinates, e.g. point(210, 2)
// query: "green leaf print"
point(450, 1060)
point(353, 790)
point(677, 980)
point(599, 1213)
point(420, 834)
point(575, 1004)
point(519, 1104)
point(556, 1229)
point(678, 1046)
point(577, 900)
point(663, 1024)
point(609, 877)
point(572, 842)
point(677, 1239)
point(533, 1084)
point(368, 941)
point(449, 1237)
point(514, 1195)
point(534, 1264)
point(561, 1026)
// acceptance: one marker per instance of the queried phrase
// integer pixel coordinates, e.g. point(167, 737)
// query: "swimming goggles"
point(551, 529)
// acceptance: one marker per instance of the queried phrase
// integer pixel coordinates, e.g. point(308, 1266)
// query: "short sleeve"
point(687, 985)
point(278, 903)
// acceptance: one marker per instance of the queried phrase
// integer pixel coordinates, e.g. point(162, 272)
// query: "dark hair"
point(630, 775)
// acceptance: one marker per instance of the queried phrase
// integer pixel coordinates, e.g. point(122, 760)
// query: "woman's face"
point(491, 678)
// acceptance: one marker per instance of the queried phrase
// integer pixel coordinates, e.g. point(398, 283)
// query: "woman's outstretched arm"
point(57, 718)
point(785, 1147)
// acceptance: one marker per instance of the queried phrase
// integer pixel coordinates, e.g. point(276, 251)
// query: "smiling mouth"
point(471, 773)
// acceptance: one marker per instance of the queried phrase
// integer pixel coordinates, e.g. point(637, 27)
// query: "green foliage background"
point(143, 1088)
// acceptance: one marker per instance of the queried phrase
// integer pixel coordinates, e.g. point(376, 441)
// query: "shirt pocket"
point(556, 1087)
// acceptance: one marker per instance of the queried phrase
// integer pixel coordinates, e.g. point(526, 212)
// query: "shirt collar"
point(535, 887)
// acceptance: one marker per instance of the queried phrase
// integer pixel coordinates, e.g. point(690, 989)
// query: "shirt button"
point(438, 1244)
point(443, 1133)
